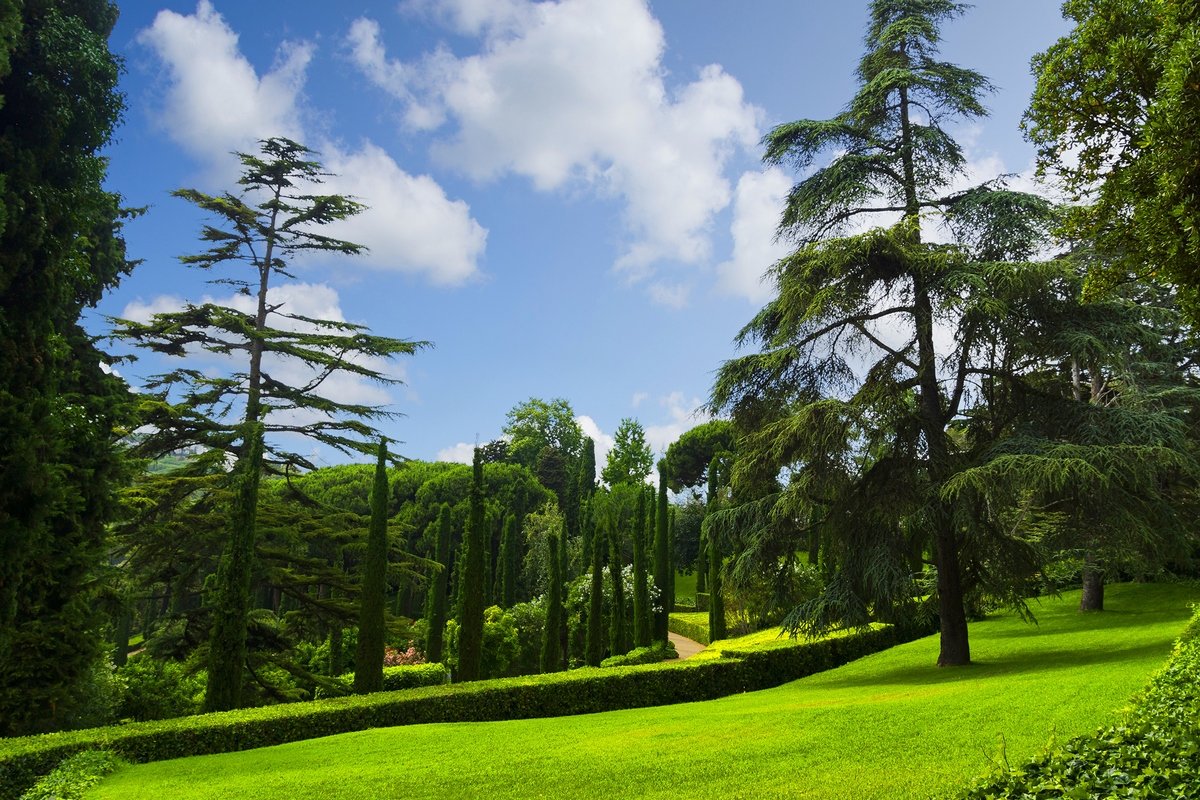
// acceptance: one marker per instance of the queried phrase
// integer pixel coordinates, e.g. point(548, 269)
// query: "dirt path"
point(685, 647)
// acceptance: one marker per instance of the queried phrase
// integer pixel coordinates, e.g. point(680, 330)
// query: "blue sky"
point(566, 197)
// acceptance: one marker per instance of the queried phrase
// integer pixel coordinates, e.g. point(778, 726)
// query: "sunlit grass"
point(888, 726)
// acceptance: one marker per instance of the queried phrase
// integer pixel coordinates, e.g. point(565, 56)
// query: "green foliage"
point(662, 563)
point(478, 551)
point(643, 622)
point(71, 779)
point(536, 424)
point(630, 459)
point(156, 689)
point(435, 604)
point(404, 676)
point(509, 566)
point(687, 459)
point(60, 413)
point(651, 654)
point(1150, 754)
point(594, 647)
point(582, 691)
point(552, 655)
point(368, 661)
point(692, 625)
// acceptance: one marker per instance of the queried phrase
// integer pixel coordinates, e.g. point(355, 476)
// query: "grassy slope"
point(888, 726)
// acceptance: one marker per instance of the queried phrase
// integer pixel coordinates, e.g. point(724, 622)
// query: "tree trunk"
point(955, 648)
point(1092, 598)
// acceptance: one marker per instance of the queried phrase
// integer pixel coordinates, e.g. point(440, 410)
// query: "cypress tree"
point(671, 560)
point(702, 564)
point(641, 592)
point(227, 648)
point(716, 605)
point(552, 660)
point(435, 605)
point(508, 563)
point(587, 532)
point(368, 660)
point(617, 637)
point(470, 639)
point(661, 563)
point(594, 652)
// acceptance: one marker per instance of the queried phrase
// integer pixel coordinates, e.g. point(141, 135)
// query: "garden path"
point(684, 646)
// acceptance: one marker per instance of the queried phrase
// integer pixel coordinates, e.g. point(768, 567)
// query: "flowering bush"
point(393, 657)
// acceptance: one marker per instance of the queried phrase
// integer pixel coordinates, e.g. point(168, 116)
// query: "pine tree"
point(368, 661)
point(661, 559)
point(435, 604)
point(470, 637)
point(642, 623)
point(594, 645)
point(552, 660)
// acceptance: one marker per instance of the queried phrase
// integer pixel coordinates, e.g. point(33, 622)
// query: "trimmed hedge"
point(642, 655)
point(685, 627)
point(1153, 753)
point(582, 691)
point(405, 676)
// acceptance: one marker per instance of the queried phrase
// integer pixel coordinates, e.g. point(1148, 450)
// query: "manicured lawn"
point(685, 586)
point(888, 726)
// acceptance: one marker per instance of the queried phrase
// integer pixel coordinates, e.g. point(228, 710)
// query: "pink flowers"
point(393, 657)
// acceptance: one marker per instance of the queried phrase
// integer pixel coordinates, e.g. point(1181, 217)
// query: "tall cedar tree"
point(509, 564)
point(470, 637)
point(594, 644)
point(716, 602)
point(552, 653)
point(368, 661)
point(435, 604)
point(641, 591)
point(661, 559)
point(618, 643)
point(61, 245)
point(272, 221)
point(803, 403)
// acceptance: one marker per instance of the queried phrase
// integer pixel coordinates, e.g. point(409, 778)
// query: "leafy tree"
point(871, 447)
point(61, 245)
point(470, 621)
point(438, 588)
point(536, 424)
point(687, 458)
point(630, 459)
point(1113, 117)
point(272, 221)
point(368, 662)
point(552, 654)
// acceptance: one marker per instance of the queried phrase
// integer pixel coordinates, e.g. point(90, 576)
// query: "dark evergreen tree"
point(470, 637)
point(642, 621)
point(60, 249)
point(509, 563)
point(716, 602)
point(671, 570)
point(435, 604)
point(594, 645)
point(661, 559)
point(552, 653)
point(368, 661)
point(618, 637)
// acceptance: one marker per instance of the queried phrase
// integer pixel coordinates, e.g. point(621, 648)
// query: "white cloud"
point(639, 398)
point(215, 102)
point(671, 295)
point(571, 93)
point(604, 441)
point(683, 414)
point(756, 207)
point(461, 453)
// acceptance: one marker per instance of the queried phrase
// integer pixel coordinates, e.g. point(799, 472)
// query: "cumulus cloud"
point(461, 453)
point(682, 414)
point(215, 102)
point(756, 207)
point(573, 93)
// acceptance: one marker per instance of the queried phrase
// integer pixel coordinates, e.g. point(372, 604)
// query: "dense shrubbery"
point(73, 777)
point(693, 625)
point(512, 640)
point(643, 655)
point(557, 694)
point(1152, 754)
point(155, 689)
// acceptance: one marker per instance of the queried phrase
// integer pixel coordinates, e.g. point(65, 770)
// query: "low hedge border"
point(581, 691)
point(642, 655)
point(678, 624)
point(406, 676)
point(1153, 753)
point(71, 779)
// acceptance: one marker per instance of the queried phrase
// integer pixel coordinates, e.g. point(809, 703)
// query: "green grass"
point(887, 726)
point(685, 586)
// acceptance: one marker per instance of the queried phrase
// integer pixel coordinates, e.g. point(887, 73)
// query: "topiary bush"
point(1154, 753)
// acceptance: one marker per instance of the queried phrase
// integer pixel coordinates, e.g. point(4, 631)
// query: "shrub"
point(582, 691)
point(395, 657)
point(405, 676)
point(74, 776)
point(643, 655)
point(692, 626)
point(1151, 754)
point(158, 689)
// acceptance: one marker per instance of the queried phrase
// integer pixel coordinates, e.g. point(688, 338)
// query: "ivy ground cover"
point(888, 726)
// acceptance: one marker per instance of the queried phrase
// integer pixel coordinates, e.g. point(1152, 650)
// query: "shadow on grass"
point(1019, 663)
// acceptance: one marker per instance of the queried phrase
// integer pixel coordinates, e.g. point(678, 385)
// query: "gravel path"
point(685, 647)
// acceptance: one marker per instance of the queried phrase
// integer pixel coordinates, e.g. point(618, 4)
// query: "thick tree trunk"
point(955, 648)
point(1092, 598)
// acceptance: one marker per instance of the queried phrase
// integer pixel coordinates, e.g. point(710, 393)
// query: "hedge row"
point(685, 627)
point(582, 691)
point(642, 655)
point(1153, 753)
point(407, 676)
